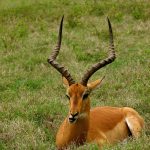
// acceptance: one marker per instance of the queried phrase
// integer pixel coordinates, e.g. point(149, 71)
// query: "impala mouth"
point(73, 118)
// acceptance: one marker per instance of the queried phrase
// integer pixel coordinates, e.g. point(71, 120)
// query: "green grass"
point(32, 101)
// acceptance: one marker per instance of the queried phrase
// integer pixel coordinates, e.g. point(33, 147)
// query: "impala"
point(100, 124)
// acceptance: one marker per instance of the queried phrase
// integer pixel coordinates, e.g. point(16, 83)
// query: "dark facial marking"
point(68, 97)
point(85, 96)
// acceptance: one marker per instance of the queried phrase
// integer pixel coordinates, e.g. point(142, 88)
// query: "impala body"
point(98, 125)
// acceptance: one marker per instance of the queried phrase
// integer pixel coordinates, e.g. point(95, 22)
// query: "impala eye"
point(85, 96)
point(68, 96)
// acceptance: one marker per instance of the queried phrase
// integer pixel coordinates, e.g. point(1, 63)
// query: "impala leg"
point(134, 126)
point(101, 140)
point(134, 121)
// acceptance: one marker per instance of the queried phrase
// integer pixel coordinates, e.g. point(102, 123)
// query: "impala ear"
point(65, 82)
point(95, 84)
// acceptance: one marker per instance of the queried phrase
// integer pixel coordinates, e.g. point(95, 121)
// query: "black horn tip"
point(62, 19)
point(109, 22)
point(108, 18)
point(103, 77)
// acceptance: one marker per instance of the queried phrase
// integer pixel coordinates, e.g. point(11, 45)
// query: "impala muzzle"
point(73, 117)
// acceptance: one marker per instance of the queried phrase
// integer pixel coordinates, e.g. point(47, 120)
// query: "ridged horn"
point(102, 63)
point(51, 60)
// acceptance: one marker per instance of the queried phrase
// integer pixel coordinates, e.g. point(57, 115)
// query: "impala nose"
point(73, 117)
point(74, 114)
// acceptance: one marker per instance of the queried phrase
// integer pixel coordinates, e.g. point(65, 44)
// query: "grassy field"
point(32, 97)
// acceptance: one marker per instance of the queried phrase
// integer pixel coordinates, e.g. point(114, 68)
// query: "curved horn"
point(54, 54)
point(102, 63)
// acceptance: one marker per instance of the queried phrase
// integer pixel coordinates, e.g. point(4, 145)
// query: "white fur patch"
point(83, 115)
point(129, 124)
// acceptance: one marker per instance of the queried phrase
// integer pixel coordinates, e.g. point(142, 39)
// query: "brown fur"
point(99, 125)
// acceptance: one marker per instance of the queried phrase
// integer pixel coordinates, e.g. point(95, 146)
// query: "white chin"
point(72, 121)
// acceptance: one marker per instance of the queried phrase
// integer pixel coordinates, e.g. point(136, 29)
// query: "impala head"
point(78, 96)
point(78, 93)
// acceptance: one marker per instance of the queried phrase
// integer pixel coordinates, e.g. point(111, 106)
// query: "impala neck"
point(78, 131)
